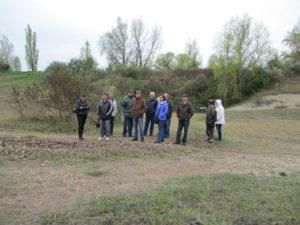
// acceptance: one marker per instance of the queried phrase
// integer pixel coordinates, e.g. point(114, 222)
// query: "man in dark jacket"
point(126, 104)
point(81, 109)
point(150, 113)
point(169, 116)
point(184, 114)
point(104, 112)
point(138, 109)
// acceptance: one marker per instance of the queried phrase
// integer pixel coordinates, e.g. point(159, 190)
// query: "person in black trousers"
point(81, 109)
point(184, 114)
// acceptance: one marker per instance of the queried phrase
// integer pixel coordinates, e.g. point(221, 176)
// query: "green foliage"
point(223, 199)
point(31, 51)
point(165, 61)
point(6, 50)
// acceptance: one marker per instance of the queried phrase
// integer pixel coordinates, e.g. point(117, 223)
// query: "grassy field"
point(252, 178)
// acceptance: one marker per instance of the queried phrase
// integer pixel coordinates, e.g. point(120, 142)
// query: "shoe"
point(176, 143)
point(156, 142)
point(134, 139)
point(124, 136)
point(100, 138)
point(80, 139)
point(142, 140)
point(211, 141)
point(107, 139)
point(166, 136)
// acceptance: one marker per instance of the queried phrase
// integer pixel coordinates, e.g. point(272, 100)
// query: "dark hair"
point(164, 97)
point(82, 95)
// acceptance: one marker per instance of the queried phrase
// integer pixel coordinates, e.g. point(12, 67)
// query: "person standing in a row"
point(161, 114)
point(81, 109)
point(150, 114)
point(138, 109)
point(126, 104)
point(169, 116)
point(211, 117)
point(220, 118)
point(104, 112)
point(184, 114)
point(113, 114)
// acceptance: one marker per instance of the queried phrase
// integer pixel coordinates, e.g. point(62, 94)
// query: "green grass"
point(97, 173)
point(223, 199)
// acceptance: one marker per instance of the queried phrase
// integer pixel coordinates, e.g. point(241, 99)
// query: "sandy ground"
point(270, 102)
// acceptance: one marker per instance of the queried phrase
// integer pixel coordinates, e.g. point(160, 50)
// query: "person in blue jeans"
point(161, 115)
point(150, 114)
point(138, 109)
point(169, 116)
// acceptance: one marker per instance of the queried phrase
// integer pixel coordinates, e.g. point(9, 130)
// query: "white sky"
point(62, 26)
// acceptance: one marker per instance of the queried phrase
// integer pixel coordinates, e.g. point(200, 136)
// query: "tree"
point(6, 50)
point(31, 51)
point(292, 40)
point(16, 64)
point(115, 44)
point(144, 45)
point(192, 50)
point(184, 61)
point(165, 61)
point(86, 63)
point(241, 46)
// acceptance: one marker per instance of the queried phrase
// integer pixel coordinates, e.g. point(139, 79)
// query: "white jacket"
point(220, 112)
point(115, 109)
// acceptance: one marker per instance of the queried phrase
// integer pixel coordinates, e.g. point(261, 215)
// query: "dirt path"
point(35, 185)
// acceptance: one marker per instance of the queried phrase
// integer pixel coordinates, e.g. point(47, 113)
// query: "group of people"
point(156, 110)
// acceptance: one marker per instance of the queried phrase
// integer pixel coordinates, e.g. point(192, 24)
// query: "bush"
point(4, 67)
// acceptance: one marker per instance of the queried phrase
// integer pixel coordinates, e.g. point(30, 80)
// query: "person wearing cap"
point(138, 109)
point(113, 114)
point(161, 114)
point(126, 104)
point(169, 116)
point(104, 112)
point(150, 113)
point(81, 109)
point(184, 114)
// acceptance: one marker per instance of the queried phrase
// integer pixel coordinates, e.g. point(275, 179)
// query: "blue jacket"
point(162, 110)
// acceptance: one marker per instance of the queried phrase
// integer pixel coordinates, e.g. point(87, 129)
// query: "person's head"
point(131, 93)
point(218, 103)
point(110, 96)
point(138, 94)
point(184, 98)
point(211, 100)
point(82, 97)
point(167, 96)
point(162, 98)
point(105, 96)
point(152, 95)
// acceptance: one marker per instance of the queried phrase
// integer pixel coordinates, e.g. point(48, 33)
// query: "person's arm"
point(165, 110)
point(191, 111)
point(110, 108)
point(144, 108)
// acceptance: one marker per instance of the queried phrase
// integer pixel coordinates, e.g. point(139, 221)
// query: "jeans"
point(138, 127)
point(161, 131)
point(182, 124)
point(104, 128)
point(127, 126)
point(149, 120)
point(81, 121)
point(219, 129)
point(210, 130)
point(112, 122)
point(168, 124)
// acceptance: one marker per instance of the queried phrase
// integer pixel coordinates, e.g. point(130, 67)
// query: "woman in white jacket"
point(220, 118)
point(113, 114)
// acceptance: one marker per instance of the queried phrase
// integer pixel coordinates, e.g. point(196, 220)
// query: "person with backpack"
point(184, 114)
point(138, 109)
point(220, 118)
point(169, 116)
point(211, 117)
point(81, 109)
point(161, 115)
point(104, 112)
point(126, 104)
point(150, 114)
point(113, 114)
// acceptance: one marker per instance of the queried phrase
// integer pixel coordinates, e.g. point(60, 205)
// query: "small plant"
point(97, 173)
point(283, 174)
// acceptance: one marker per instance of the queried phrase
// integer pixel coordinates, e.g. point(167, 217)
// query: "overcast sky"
point(62, 26)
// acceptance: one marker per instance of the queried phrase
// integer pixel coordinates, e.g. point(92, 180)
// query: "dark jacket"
point(81, 108)
point(105, 110)
point(138, 107)
point(151, 107)
point(126, 104)
point(211, 118)
point(185, 111)
point(171, 109)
